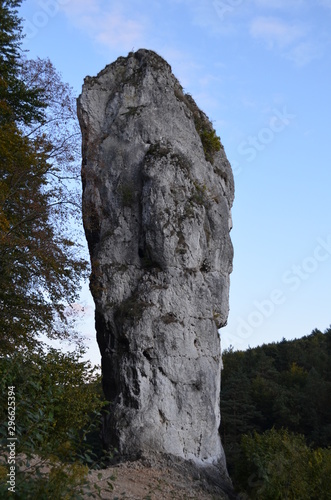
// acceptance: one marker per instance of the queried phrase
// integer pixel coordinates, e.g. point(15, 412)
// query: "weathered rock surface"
point(157, 195)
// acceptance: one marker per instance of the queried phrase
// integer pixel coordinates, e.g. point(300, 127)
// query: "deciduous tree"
point(40, 262)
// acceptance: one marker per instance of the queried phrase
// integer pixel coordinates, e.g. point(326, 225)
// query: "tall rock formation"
point(157, 194)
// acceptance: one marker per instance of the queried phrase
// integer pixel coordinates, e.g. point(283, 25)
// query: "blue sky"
point(261, 71)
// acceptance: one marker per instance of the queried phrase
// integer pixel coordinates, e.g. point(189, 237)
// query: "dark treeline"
point(285, 385)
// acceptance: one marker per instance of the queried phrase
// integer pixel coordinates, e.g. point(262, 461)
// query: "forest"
point(276, 418)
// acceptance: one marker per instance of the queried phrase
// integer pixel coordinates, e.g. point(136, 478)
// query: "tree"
point(279, 464)
point(283, 385)
point(238, 412)
point(59, 132)
point(58, 404)
point(40, 263)
point(17, 102)
point(58, 409)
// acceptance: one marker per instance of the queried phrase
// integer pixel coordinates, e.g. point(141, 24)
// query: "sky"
point(261, 71)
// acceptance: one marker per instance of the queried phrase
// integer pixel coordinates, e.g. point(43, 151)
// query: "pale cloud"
point(108, 25)
point(291, 39)
point(303, 53)
point(287, 4)
point(80, 7)
point(116, 30)
point(215, 15)
point(279, 4)
point(275, 31)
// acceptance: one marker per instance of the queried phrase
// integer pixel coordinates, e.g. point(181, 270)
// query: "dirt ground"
point(145, 481)
point(148, 479)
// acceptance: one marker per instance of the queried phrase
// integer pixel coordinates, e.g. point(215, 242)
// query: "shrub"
point(58, 407)
point(278, 464)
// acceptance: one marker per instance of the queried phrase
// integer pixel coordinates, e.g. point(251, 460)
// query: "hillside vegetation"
point(276, 418)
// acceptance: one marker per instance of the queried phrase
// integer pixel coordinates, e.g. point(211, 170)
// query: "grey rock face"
point(157, 194)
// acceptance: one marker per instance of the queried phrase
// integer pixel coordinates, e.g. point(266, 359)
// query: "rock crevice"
point(157, 197)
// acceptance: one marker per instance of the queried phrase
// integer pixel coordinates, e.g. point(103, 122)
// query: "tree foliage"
point(40, 263)
point(285, 385)
point(58, 411)
point(58, 396)
point(17, 102)
point(278, 464)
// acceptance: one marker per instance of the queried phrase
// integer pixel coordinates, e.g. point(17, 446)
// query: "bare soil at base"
point(140, 481)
